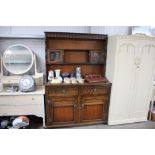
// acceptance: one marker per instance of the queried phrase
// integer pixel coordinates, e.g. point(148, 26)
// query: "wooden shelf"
point(73, 64)
point(77, 84)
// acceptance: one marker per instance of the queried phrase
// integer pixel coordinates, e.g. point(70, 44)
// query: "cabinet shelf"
point(74, 64)
point(78, 84)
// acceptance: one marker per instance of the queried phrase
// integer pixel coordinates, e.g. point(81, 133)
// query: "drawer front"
point(10, 81)
point(20, 100)
point(62, 91)
point(21, 105)
point(94, 90)
point(8, 110)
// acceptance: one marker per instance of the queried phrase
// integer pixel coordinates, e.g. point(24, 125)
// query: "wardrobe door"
point(121, 96)
point(145, 69)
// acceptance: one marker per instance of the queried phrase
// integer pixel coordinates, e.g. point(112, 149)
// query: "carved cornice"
point(75, 35)
point(135, 37)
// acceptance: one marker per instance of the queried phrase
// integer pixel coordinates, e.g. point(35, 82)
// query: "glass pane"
point(18, 59)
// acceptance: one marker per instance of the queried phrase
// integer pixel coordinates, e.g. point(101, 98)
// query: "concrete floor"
point(141, 125)
point(36, 123)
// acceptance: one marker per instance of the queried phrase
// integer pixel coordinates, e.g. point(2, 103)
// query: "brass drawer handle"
point(63, 91)
point(94, 90)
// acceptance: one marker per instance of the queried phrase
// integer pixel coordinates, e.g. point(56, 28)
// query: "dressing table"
point(18, 60)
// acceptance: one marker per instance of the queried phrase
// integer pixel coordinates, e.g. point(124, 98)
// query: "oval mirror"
point(18, 59)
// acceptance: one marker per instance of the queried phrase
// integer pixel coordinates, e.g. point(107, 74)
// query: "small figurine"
point(72, 74)
point(50, 75)
point(57, 78)
point(78, 72)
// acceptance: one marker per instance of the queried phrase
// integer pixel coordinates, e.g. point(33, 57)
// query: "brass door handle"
point(82, 105)
point(75, 105)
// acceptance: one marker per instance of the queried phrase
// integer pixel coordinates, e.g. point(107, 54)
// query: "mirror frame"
point(18, 73)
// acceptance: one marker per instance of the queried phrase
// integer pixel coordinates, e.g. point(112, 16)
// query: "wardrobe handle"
point(137, 61)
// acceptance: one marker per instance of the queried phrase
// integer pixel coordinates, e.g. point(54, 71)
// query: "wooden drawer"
point(94, 90)
point(62, 91)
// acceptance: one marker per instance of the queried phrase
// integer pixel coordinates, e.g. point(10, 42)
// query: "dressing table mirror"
point(18, 60)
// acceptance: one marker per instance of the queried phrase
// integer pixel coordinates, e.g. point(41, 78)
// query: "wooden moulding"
point(67, 35)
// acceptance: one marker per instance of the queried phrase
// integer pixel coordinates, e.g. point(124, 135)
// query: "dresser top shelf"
point(78, 84)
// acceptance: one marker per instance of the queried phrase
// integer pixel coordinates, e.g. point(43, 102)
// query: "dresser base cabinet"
point(76, 105)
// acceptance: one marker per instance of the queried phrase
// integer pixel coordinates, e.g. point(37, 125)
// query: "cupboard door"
point(123, 84)
point(94, 108)
point(61, 110)
point(145, 69)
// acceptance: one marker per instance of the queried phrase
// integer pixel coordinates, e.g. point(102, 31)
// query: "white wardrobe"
point(131, 69)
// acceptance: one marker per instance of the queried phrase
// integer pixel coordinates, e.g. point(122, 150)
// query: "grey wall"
point(38, 31)
point(111, 30)
point(24, 35)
